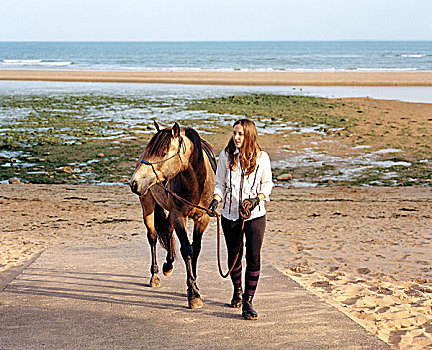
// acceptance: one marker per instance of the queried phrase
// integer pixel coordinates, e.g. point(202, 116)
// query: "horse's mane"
point(192, 135)
point(159, 143)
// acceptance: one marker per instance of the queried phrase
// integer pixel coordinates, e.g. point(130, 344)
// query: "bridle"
point(182, 146)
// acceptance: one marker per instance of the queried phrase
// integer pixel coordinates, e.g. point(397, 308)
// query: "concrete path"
point(98, 298)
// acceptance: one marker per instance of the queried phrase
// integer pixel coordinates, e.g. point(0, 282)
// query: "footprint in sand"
point(383, 309)
point(381, 290)
point(350, 301)
point(363, 315)
point(363, 270)
point(321, 284)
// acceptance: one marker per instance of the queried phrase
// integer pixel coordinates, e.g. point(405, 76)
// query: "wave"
point(282, 70)
point(37, 62)
point(51, 64)
point(365, 69)
point(21, 61)
point(416, 55)
point(386, 69)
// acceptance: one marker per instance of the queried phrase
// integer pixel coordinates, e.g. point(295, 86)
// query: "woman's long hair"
point(249, 152)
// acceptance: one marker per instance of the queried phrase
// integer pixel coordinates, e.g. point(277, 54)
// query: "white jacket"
point(228, 185)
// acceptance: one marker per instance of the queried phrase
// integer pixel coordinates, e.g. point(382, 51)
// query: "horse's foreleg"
point(154, 269)
point(148, 204)
point(194, 298)
point(199, 228)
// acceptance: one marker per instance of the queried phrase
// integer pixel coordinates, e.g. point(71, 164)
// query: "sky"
point(214, 20)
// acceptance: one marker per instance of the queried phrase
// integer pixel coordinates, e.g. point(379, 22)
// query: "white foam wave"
point(13, 62)
point(417, 55)
point(274, 70)
point(21, 61)
point(386, 69)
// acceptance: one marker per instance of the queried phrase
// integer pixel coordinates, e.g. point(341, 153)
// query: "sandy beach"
point(341, 96)
point(226, 78)
point(364, 250)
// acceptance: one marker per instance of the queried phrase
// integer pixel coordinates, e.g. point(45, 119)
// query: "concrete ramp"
point(98, 298)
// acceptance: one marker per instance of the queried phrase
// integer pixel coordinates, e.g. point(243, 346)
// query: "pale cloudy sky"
point(225, 20)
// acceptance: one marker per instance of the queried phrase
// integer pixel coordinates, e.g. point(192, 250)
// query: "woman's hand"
point(212, 207)
point(247, 206)
point(253, 202)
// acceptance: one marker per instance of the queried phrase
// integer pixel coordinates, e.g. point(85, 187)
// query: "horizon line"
point(211, 41)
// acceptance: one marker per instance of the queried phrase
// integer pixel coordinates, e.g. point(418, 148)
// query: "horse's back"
point(208, 149)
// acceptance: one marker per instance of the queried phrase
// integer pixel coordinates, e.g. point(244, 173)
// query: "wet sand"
point(226, 78)
point(365, 250)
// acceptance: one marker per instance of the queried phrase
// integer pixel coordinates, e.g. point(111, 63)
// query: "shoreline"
point(226, 78)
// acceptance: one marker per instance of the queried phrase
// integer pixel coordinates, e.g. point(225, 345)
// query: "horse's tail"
point(162, 226)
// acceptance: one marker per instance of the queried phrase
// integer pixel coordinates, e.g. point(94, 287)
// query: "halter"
point(182, 146)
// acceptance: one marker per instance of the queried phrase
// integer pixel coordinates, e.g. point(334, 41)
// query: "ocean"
point(316, 56)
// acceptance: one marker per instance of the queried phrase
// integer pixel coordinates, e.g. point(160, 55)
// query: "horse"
point(175, 174)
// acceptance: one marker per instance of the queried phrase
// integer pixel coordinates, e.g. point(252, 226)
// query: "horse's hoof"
point(167, 269)
point(155, 282)
point(194, 298)
point(195, 303)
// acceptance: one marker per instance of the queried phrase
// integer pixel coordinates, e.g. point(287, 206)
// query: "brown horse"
point(172, 166)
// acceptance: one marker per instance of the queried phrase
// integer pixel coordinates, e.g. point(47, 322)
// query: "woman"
point(243, 175)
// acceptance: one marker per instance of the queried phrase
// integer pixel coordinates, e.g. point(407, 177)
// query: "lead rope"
point(218, 249)
point(245, 214)
point(175, 195)
point(218, 229)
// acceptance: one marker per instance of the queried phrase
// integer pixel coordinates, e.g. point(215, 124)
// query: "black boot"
point(248, 311)
point(237, 299)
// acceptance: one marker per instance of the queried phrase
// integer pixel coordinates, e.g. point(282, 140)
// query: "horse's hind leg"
point(194, 298)
point(148, 204)
point(199, 227)
point(167, 267)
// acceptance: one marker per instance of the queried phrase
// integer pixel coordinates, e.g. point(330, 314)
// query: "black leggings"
point(254, 232)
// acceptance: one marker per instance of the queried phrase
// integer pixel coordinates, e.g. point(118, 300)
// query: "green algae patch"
point(304, 110)
point(380, 124)
point(68, 139)
point(98, 138)
point(344, 125)
point(94, 161)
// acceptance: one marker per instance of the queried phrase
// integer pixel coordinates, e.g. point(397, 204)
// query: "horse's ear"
point(176, 130)
point(156, 125)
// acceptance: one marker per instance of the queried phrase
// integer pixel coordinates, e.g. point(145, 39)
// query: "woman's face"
point(238, 136)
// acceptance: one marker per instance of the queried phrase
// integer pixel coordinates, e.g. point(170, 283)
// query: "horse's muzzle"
point(134, 187)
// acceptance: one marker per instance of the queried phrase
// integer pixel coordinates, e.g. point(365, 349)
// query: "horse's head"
point(163, 159)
